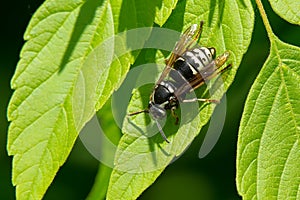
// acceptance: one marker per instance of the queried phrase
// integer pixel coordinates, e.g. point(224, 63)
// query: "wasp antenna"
point(162, 132)
point(138, 112)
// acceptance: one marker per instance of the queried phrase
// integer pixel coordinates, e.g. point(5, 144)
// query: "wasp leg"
point(175, 115)
point(161, 131)
point(203, 100)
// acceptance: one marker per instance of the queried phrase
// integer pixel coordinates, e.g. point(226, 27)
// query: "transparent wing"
point(207, 73)
point(194, 83)
point(187, 39)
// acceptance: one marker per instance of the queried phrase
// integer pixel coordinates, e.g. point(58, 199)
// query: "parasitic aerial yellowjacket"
point(188, 67)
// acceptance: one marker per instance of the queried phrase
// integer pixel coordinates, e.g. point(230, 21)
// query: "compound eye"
point(157, 112)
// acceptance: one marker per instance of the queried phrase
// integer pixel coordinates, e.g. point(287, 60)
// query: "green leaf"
point(268, 145)
point(56, 92)
point(287, 9)
point(164, 11)
point(134, 13)
point(140, 158)
point(55, 88)
point(141, 15)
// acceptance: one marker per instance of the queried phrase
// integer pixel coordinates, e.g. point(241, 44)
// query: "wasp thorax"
point(163, 92)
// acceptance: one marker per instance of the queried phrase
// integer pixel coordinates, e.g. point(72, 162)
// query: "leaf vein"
point(33, 121)
point(284, 167)
point(31, 40)
point(264, 128)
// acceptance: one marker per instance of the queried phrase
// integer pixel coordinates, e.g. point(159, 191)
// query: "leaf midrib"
point(279, 68)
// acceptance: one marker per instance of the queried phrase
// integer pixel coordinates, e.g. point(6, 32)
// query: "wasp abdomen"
point(183, 68)
point(191, 63)
point(199, 58)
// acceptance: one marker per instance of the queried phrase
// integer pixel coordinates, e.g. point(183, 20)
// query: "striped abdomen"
point(191, 63)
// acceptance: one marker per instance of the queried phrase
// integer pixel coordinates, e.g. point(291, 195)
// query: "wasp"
point(188, 67)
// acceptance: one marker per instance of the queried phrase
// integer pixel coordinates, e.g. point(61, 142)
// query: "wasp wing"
point(198, 80)
point(187, 87)
point(209, 72)
point(187, 39)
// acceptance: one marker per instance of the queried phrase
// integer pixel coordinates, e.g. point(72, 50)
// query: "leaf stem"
point(265, 20)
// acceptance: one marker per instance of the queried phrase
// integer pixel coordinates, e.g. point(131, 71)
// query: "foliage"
point(268, 145)
point(77, 53)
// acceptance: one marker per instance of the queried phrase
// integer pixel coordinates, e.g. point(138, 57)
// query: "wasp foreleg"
point(161, 131)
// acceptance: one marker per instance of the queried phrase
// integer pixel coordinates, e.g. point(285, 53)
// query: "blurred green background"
point(210, 178)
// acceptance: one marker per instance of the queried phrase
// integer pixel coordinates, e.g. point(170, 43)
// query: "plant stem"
point(265, 20)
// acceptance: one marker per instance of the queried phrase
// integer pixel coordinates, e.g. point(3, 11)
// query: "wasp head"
point(156, 111)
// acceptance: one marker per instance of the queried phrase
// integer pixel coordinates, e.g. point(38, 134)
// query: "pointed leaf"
point(56, 88)
point(164, 10)
point(268, 144)
point(287, 9)
point(141, 158)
